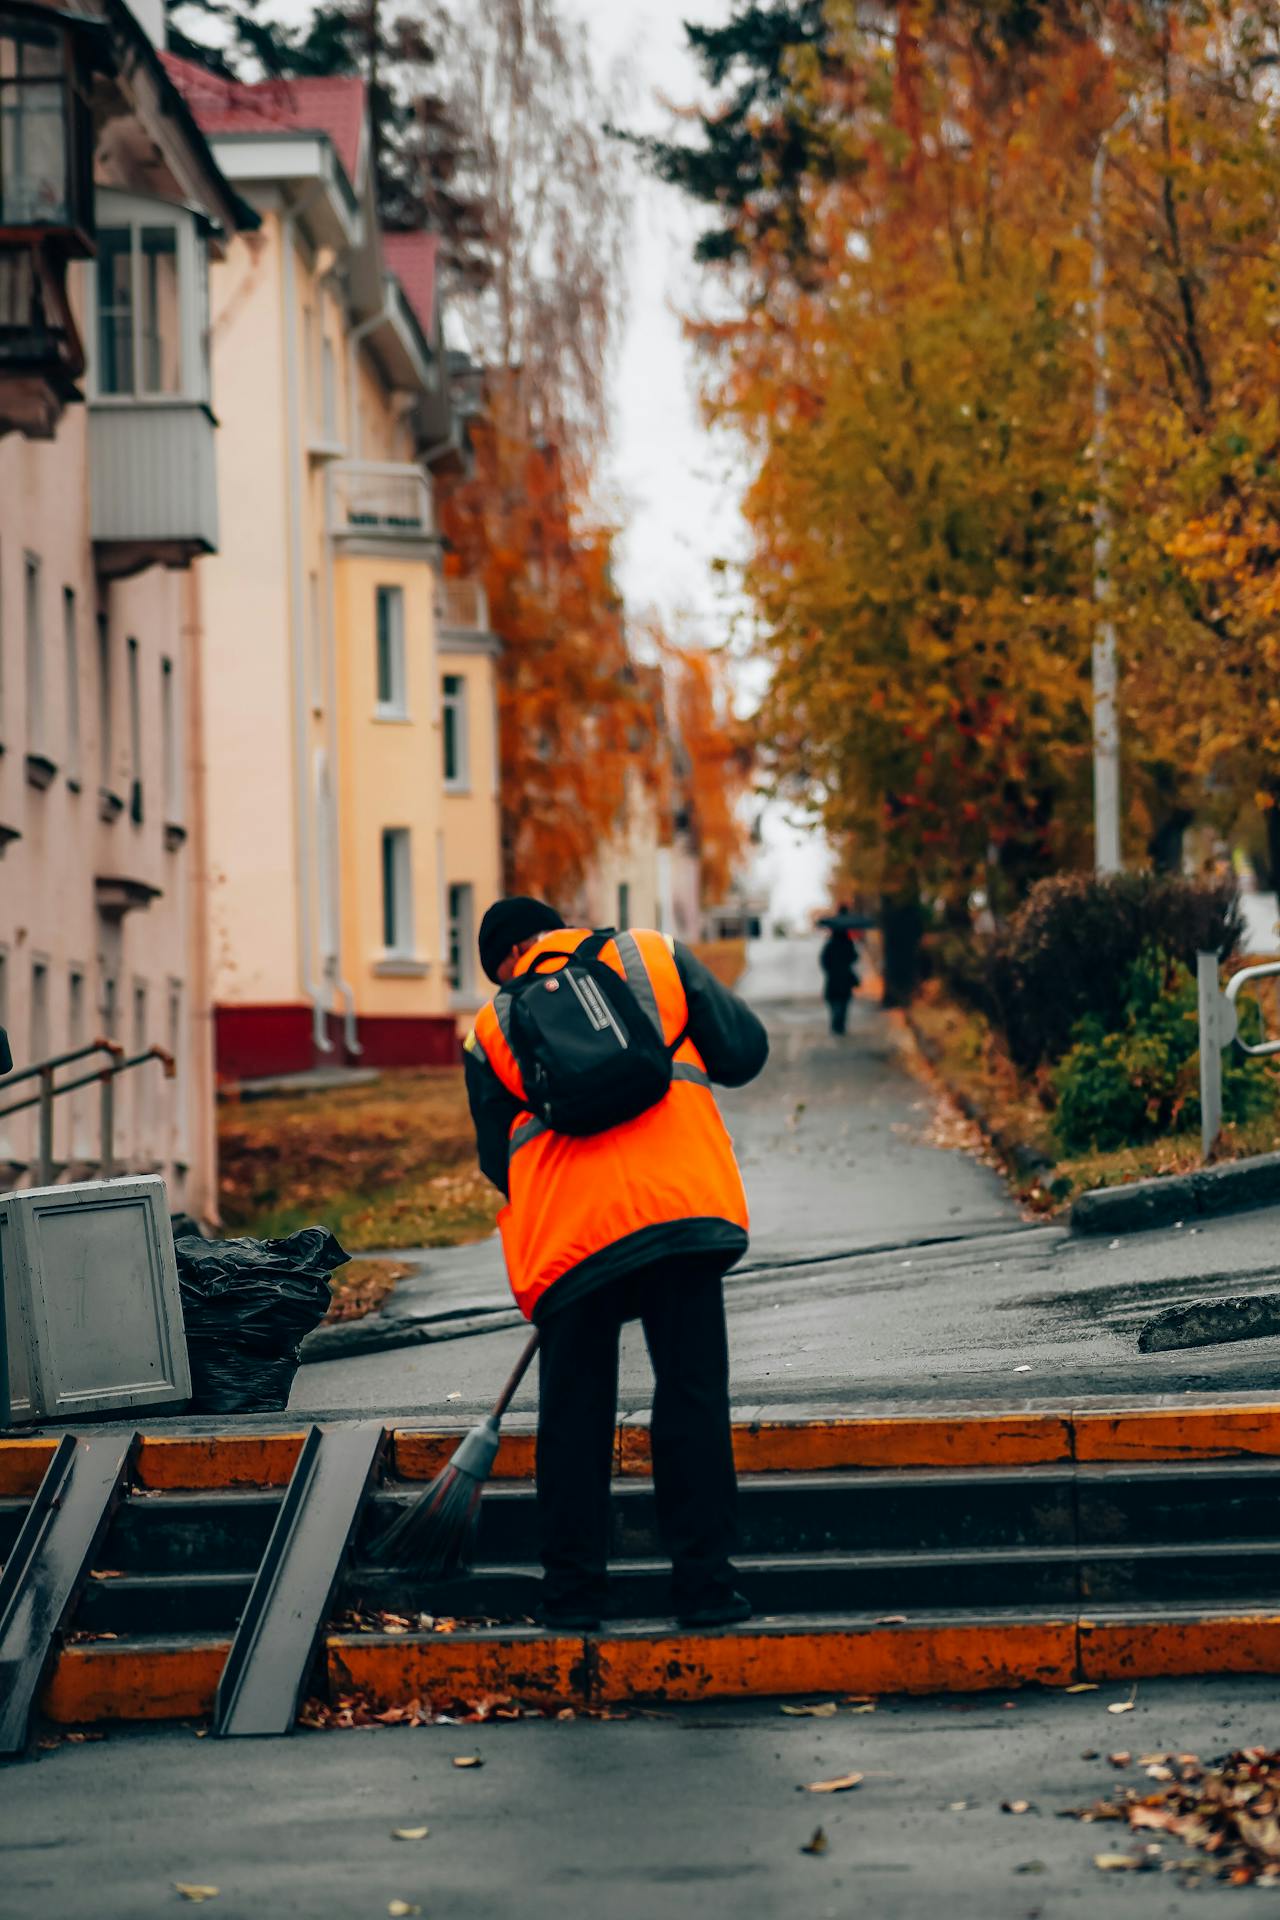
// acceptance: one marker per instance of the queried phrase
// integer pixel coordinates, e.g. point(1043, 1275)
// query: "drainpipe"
point(350, 1035)
point(297, 620)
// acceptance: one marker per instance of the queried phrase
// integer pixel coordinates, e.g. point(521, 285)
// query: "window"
point(38, 157)
point(143, 1078)
point(71, 654)
point(390, 622)
point(106, 737)
point(173, 809)
point(453, 709)
point(35, 654)
point(461, 938)
point(624, 905)
point(174, 1042)
point(135, 732)
point(77, 1036)
point(397, 897)
point(139, 315)
point(40, 1047)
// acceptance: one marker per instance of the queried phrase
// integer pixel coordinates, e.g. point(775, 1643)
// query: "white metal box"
point(92, 1317)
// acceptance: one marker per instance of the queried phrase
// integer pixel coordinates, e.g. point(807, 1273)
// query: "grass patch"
point(1015, 1110)
point(387, 1165)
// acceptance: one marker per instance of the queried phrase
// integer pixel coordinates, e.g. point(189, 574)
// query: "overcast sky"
point(679, 490)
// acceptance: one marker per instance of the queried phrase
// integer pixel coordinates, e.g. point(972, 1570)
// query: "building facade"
point(336, 879)
point(108, 494)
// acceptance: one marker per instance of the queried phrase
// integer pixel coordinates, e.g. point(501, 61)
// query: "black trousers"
point(681, 1306)
point(839, 1010)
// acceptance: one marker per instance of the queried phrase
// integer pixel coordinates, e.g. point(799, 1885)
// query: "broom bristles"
point(435, 1537)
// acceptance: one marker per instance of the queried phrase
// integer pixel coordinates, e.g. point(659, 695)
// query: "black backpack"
point(591, 1058)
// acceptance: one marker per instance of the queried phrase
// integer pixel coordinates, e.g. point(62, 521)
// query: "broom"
point(434, 1537)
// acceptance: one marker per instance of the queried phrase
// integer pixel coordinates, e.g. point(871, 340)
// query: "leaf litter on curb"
point(399, 1909)
point(1225, 1816)
point(409, 1833)
point(816, 1843)
point(467, 1760)
point(822, 1711)
point(843, 1783)
point(194, 1893)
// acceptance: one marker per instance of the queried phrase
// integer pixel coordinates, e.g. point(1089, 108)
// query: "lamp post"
point(1106, 719)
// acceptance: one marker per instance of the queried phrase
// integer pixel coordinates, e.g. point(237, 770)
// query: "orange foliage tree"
point(575, 717)
point(916, 376)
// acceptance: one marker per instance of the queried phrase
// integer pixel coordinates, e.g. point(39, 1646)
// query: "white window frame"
point(460, 934)
point(457, 705)
point(395, 869)
point(135, 211)
point(396, 705)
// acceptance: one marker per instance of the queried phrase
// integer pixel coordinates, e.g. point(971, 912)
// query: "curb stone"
point(379, 1333)
point(1162, 1202)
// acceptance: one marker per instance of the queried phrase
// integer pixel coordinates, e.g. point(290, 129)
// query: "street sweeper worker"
point(589, 1075)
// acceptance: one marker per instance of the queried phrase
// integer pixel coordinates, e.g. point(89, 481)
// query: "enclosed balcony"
point(152, 472)
point(373, 504)
point(462, 606)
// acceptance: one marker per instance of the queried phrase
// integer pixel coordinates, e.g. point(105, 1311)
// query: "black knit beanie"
point(509, 923)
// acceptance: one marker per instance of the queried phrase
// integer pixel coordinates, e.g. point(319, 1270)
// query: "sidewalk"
point(883, 1269)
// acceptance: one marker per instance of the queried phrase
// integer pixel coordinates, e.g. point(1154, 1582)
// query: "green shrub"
point(1069, 950)
point(1140, 1080)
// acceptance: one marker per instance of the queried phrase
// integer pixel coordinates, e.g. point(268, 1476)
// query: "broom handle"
point(522, 1366)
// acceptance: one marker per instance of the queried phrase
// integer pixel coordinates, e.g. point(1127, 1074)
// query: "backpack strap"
point(637, 977)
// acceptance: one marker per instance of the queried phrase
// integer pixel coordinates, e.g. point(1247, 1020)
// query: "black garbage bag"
point(246, 1305)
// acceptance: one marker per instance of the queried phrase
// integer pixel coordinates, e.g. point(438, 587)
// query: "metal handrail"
point(106, 1078)
point(56, 1060)
point(1269, 970)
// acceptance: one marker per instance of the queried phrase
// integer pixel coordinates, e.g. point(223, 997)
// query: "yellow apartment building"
point(343, 869)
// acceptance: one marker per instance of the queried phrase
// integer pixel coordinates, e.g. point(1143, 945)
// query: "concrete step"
point(175, 1676)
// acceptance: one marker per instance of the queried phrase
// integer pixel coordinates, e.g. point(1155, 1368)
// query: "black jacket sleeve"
point(731, 1040)
point(493, 1109)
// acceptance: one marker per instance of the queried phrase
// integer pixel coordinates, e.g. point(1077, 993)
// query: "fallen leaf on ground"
point(1032, 1866)
point(1082, 1686)
point(1120, 1759)
point(842, 1783)
point(468, 1760)
point(1124, 1706)
point(868, 1706)
point(398, 1909)
point(816, 1843)
point(959, 1806)
point(1016, 1806)
point(409, 1833)
point(195, 1894)
point(1159, 1772)
point(1116, 1862)
point(823, 1711)
point(890, 1620)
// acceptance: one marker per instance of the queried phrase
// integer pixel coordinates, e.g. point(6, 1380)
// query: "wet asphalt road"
point(693, 1813)
point(882, 1268)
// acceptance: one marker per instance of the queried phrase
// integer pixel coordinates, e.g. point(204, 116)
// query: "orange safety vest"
point(572, 1197)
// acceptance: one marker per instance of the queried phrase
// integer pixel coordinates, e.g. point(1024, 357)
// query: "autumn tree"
point(921, 408)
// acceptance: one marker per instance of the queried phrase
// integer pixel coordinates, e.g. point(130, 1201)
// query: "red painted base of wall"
point(409, 1040)
point(252, 1043)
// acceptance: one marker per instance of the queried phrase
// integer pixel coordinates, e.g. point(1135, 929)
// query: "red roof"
point(333, 106)
point(412, 259)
